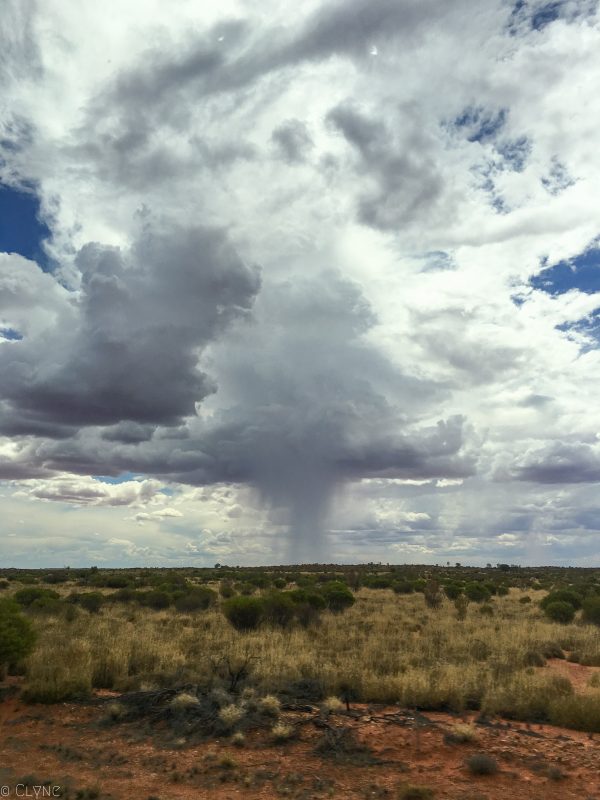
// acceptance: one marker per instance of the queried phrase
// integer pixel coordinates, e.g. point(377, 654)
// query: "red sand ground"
point(67, 744)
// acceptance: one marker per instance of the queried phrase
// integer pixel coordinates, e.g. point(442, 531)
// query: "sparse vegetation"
point(17, 636)
point(412, 792)
point(481, 764)
point(381, 643)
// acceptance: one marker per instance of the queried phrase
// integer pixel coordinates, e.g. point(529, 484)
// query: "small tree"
point(17, 636)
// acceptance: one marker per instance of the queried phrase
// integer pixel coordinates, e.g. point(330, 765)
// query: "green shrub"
point(552, 650)
point(226, 589)
point(125, 595)
point(412, 792)
point(338, 596)
point(91, 601)
point(279, 609)
point(560, 611)
point(452, 590)
point(244, 613)
point(562, 596)
point(377, 582)
point(481, 764)
point(154, 599)
point(310, 597)
point(580, 712)
point(198, 599)
point(17, 636)
point(591, 610)
point(25, 597)
point(403, 587)
point(477, 592)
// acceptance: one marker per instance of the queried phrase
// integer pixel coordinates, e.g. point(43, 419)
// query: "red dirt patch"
point(576, 673)
point(67, 744)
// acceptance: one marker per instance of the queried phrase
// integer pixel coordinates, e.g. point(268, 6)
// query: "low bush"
point(198, 599)
point(25, 597)
point(562, 596)
point(282, 732)
point(481, 764)
point(412, 792)
point(477, 592)
point(461, 733)
point(452, 590)
point(581, 712)
point(91, 601)
point(591, 610)
point(560, 611)
point(154, 598)
point(17, 636)
point(244, 613)
point(403, 587)
point(338, 596)
point(226, 589)
point(279, 609)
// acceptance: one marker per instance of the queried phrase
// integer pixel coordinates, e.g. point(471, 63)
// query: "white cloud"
point(87, 491)
point(392, 243)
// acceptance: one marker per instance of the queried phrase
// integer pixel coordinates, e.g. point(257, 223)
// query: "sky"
point(288, 282)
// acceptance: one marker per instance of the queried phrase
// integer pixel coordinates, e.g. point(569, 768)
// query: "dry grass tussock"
point(386, 648)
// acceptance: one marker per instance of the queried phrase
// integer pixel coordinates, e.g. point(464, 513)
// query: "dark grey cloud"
point(403, 180)
point(305, 402)
point(560, 462)
point(130, 350)
point(128, 433)
point(293, 141)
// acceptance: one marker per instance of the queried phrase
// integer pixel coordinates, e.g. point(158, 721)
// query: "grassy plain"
point(386, 648)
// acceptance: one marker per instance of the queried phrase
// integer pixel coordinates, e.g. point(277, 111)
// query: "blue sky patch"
point(558, 179)
point(11, 334)
point(21, 230)
point(545, 15)
point(515, 153)
point(437, 260)
point(479, 124)
point(588, 326)
point(581, 272)
point(123, 477)
point(534, 16)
